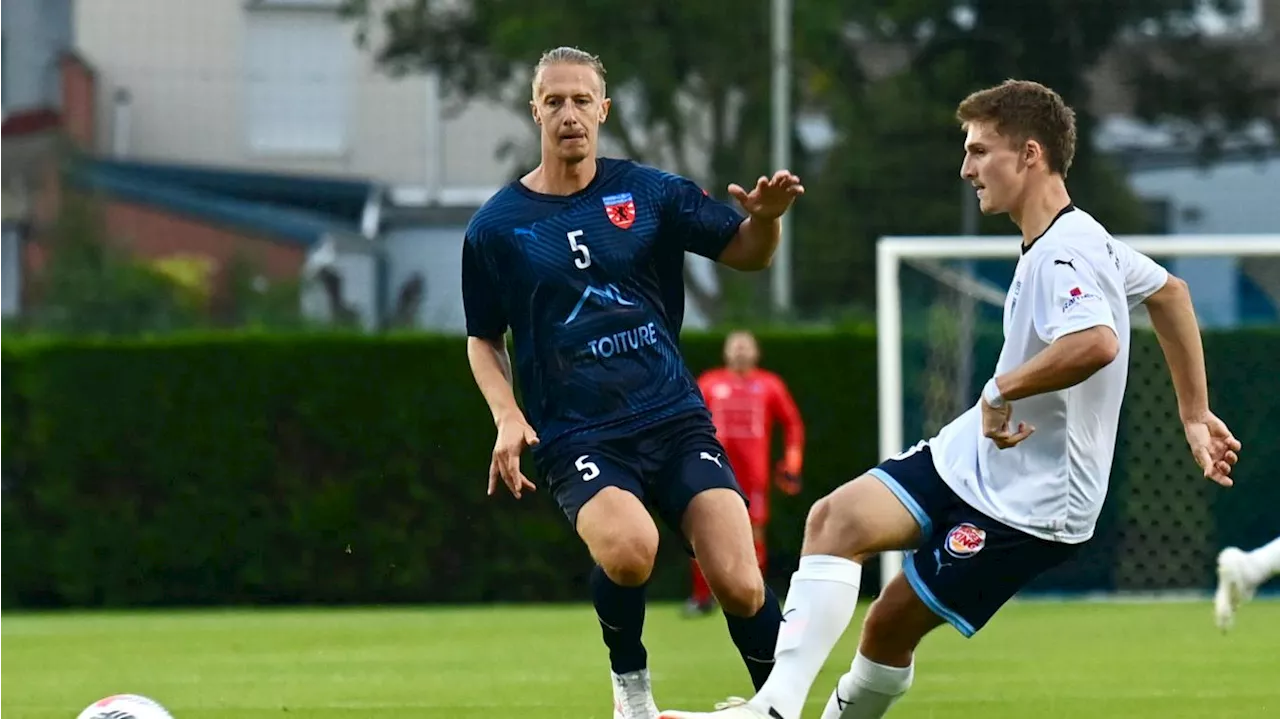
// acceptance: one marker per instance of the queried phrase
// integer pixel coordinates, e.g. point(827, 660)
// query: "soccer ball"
point(125, 706)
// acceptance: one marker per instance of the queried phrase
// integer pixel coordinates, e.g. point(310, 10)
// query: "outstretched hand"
point(771, 197)
point(1213, 446)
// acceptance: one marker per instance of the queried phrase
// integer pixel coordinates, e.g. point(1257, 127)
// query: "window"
point(298, 82)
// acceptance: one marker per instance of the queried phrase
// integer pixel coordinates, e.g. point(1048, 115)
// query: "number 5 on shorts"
point(589, 469)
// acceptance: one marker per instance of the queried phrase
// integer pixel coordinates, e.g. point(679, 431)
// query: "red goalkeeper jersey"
point(744, 408)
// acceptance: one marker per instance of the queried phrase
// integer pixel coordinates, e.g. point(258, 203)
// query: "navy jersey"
point(592, 287)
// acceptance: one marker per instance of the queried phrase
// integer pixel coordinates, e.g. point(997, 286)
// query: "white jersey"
point(1052, 485)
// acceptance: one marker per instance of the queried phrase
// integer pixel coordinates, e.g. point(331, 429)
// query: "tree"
point(91, 283)
point(690, 79)
point(898, 160)
point(90, 286)
point(1167, 58)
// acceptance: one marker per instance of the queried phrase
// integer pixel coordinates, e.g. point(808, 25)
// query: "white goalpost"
point(933, 256)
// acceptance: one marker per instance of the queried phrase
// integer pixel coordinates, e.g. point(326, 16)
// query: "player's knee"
point(628, 559)
point(620, 535)
point(740, 593)
point(832, 529)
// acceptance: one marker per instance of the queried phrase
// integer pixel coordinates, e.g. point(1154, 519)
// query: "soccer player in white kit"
point(1013, 486)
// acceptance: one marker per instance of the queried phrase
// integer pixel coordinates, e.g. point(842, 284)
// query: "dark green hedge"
point(317, 469)
point(258, 469)
point(255, 469)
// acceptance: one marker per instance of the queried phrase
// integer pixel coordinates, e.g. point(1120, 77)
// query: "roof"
point(429, 216)
point(27, 122)
point(30, 142)
point(296, 209)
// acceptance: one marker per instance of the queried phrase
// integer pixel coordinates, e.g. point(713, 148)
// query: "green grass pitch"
point(1047, 660)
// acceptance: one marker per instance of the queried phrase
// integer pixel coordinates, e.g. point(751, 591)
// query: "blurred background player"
point(1240, 573)
point(582, 258)
point(745, 401)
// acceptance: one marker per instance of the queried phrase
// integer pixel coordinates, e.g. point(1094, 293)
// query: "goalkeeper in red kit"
point(745, 401)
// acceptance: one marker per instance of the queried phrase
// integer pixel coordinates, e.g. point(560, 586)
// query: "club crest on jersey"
point(965, 540)
point(620, 209)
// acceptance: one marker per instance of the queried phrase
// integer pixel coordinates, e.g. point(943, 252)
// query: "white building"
point(281, 85)
point(1233, 194)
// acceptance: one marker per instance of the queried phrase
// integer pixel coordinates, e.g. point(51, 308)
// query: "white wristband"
point(991, 393)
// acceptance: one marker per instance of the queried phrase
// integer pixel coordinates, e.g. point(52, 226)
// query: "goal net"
point(939, 310)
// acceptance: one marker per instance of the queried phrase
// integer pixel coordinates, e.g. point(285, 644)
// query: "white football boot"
point(733, 708)
point(1234, 586)
point(633, 696)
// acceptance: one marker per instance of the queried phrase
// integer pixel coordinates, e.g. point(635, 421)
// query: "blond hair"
point(568, 56)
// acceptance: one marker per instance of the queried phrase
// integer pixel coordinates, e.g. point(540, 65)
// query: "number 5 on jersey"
point(584, 261)
point(590, 470)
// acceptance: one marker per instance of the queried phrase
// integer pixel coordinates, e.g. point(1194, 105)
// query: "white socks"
point(1264, 562)
point(820, 604)
point(867, 690)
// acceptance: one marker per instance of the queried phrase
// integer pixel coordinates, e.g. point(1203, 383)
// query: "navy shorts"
point(665, 466)
point(967, 564)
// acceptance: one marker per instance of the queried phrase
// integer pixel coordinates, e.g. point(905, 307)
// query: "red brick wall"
point(154, 234)
point(79, 101)
point(148, 232)
point(151, 233)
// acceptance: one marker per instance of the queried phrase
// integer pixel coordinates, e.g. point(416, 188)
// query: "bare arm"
point(1066, 362)
point(1070, 360)
point(1174, 319)
point(752, 248)
point(491, 367)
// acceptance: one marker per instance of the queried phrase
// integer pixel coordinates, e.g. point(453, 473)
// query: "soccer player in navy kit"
point(583, 259)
